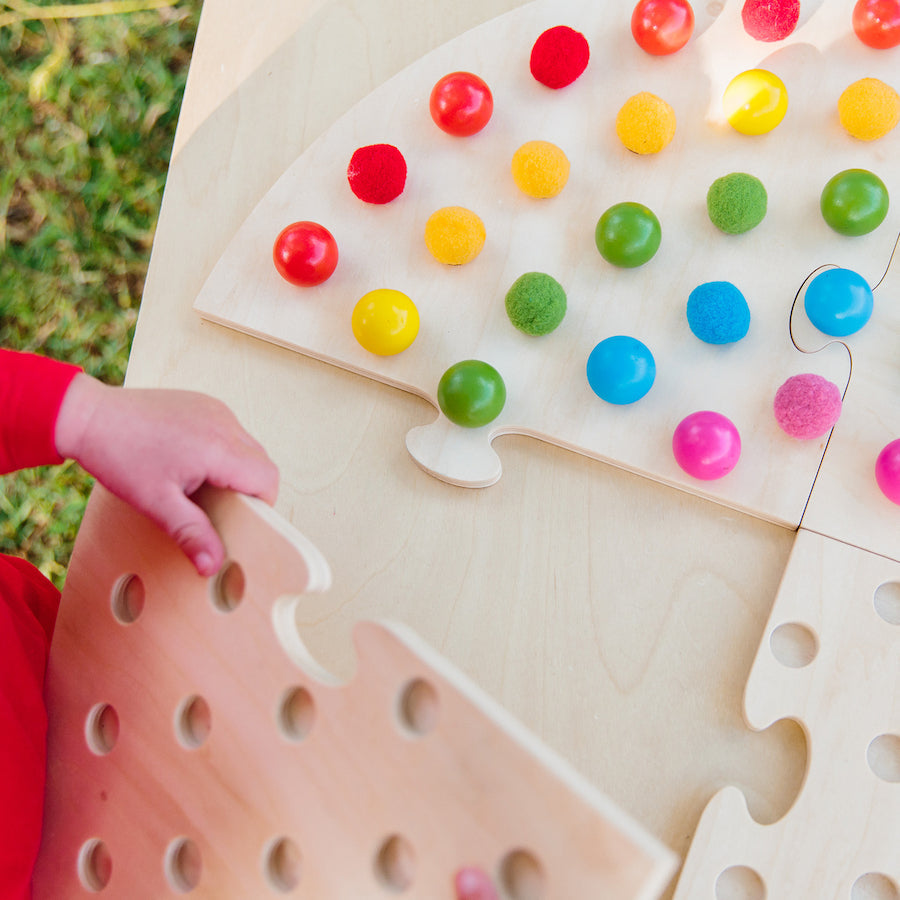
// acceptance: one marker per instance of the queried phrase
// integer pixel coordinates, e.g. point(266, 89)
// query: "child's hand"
point(155, 448)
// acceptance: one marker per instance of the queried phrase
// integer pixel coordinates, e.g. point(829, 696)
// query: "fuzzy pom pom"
point(377, 173)
point(717, 313)
point(536, 303)
point(645, 123)
point(559, 56)
point(454, 235)
point(868, 109)
point(540, 169)
point(807, 406)
point(770, 20)
point(736, 202)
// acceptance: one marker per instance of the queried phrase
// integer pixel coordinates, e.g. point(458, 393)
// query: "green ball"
point(736, 202)
point(854, 202)
point(628, 235)
point(536, 303)
point(471, 393)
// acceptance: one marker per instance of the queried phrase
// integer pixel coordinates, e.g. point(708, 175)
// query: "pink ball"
point(887, 471)
point(807, 406)
point(706, 445)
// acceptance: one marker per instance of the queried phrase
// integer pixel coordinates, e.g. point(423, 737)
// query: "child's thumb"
point(190, 528)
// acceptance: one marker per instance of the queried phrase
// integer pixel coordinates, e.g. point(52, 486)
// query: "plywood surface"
point(591, 602)
point(202, 750)
point(462, 308)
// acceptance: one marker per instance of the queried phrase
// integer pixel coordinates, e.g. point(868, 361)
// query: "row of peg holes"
point(796, 646)
point(416, 715)
point(394, 867)
point(744, 883)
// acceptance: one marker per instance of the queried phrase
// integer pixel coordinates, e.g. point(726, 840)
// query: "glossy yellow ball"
point(755, 101)
point(385, 322)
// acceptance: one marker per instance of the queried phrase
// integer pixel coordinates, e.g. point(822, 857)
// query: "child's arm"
point(155, 448)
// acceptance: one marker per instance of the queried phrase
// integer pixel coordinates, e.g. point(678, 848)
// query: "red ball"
point(661, 27)
point(461, 104)
point(877, 23)
point(559, 56)
point(305, 254)
point(377, 173)
point(770, 20)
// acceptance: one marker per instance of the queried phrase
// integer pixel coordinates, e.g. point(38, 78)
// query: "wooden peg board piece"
point(828, 659)
point(196, 748)
point(462, 309)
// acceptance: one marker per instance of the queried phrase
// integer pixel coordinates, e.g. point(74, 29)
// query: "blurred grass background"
point(89, 99)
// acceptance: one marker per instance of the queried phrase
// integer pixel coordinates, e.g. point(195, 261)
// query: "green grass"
point(88, 108)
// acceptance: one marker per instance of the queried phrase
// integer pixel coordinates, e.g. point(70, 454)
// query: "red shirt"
point(31, 393)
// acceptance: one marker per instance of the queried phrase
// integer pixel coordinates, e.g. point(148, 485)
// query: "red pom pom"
point(377, 173)
point(559, 56)
point(770, 20)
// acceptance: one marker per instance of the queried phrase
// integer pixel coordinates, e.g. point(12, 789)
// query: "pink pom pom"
point(706, 445)
point(887, 471)
point(807, 406)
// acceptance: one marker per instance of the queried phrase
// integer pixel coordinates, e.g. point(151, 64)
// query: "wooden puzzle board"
point(462, 308)
point(195, 746)
point(562, 546)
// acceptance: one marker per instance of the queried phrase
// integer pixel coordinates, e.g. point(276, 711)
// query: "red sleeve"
point(28, 606)
point(31, 393)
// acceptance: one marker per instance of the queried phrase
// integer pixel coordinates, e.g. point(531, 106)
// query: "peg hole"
point(874, 886)
point(94, 865)
point(395, 863)
point(418, 707)
point(740, 883)
point(883, 756)
point(127, 600)
point(183, 865)
point(887, 602)
point(522, 876)
point(296, 714)
point(282, 864)
point(193, 722)
point(794, 645)
point(101, 730)
point(227, 587)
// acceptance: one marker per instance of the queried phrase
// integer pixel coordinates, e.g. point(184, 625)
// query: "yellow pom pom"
point(454, 235)
point(540, 169)
point(646, 123)
point(869, 109)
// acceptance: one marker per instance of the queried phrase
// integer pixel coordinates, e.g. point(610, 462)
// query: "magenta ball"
point(706, 445)
point(887, 471)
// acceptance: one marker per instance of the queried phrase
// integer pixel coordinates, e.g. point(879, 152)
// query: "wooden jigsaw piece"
point(461, 307)
point(846, 502)
point(828, 659)
point(196, 748)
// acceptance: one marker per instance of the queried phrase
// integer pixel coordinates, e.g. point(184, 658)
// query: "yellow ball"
point(454, 235)
point(540, 169)
point(646, 123)
point(869, 109)
point(755, 101)
point(385, 322)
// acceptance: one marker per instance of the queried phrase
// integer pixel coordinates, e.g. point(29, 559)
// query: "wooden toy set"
point(680, 263)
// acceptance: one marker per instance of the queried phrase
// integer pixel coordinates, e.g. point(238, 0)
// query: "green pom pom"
point(736, 202)
point(536, 303)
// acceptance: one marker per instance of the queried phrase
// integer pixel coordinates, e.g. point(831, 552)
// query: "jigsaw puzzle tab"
point(828, 659)
point(196, 748)
point(847, 502)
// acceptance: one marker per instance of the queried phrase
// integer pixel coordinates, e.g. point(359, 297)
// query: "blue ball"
point(838, 302)
point(718, 313)
point(621, 369)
